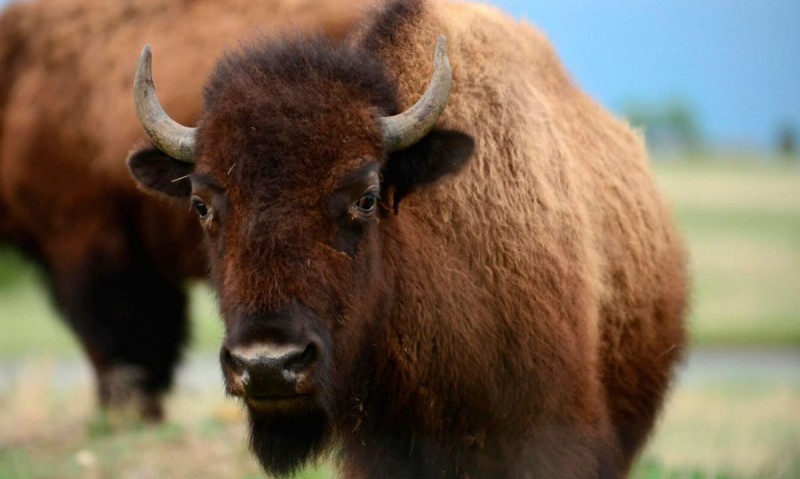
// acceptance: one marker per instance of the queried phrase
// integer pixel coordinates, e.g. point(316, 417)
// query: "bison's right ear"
point(440, 153)
point(156, 171)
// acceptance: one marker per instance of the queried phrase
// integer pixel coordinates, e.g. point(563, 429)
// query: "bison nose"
point(267, 372)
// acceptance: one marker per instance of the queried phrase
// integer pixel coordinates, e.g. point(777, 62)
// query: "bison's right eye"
point(202, 210)
point(366, 204)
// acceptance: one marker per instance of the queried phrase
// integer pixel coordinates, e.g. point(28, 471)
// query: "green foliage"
point(787, 141)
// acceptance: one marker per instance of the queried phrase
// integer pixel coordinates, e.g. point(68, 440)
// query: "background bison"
point(114, 259)
point(517, 314)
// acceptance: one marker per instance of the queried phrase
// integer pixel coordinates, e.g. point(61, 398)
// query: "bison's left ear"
point(158, 172)
point(440, 153)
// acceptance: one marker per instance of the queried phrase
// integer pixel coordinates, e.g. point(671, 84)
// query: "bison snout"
point(262, 373)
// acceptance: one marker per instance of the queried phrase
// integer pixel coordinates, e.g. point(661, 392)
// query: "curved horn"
point(403, 130)
point(166, 134)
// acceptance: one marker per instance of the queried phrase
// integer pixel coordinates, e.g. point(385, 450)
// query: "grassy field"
point(719, 429)
point(741, 221)
point(742, 225)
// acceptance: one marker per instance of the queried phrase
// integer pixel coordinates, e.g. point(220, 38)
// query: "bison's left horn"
point(407, 128)
point(166, 134)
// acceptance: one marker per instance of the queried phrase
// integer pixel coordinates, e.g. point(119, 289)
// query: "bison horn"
point(166, 134)
point(405, 129)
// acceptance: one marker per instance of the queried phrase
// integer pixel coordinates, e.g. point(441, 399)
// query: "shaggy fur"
point(115, 259)
point(519, 314)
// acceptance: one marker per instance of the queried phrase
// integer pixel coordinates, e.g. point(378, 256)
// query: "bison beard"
point(283, 443)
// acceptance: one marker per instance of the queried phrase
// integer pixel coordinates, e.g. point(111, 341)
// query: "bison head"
point(295, 170)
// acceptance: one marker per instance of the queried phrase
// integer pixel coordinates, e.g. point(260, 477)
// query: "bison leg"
point(129, 318)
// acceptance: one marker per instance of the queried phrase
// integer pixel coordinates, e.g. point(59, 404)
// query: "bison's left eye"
point(202, 210)
point(366, 204)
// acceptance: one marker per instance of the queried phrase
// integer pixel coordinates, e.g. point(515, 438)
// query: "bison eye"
point(366, 204)
point(200, 207)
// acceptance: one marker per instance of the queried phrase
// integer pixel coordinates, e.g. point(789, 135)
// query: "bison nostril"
point(297, 363)
point(236, 365)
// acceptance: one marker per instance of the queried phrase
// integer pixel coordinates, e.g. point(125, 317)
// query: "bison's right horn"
point(166, 134)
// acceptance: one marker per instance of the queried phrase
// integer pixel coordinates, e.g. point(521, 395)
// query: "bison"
point(457, 268)
point(482, 284)
point(114, 259)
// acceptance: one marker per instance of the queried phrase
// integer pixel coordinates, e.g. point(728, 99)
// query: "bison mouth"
point(285, 434)
point(286, 430)
point(279, 403)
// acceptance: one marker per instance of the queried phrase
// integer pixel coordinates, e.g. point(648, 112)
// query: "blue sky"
point(737, 62)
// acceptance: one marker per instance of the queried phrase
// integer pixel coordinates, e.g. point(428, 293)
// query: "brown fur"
point(519, 316)
point(66, 125)
point(599, 246)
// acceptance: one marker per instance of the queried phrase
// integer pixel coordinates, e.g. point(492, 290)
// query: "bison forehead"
point(255, 154)
point(296, 111)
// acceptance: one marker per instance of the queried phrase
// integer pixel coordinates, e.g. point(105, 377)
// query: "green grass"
point(731, 428)
point(721, 428)
point(51, 432)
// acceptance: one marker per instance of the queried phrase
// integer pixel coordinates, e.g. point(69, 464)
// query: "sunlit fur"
point(520, 316)
point(115, 259)
point(554, 312)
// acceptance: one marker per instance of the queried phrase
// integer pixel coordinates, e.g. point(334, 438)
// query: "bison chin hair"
point(284, 443)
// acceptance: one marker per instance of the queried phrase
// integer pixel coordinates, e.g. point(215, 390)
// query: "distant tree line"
point(670, 125)
point(787, 141)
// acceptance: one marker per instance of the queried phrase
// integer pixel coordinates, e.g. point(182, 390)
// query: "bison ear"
point(156, 171)
point(440, 153)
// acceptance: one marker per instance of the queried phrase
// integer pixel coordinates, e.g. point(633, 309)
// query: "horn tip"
point(146, 51)
point(145, 59)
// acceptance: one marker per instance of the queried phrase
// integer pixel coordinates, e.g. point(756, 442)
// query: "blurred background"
point(714, 85)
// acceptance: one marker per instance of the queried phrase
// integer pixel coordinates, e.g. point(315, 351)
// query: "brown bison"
point(433, 272)
point(115, 260)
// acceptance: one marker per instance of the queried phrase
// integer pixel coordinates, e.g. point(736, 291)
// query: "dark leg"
point(130, 320)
